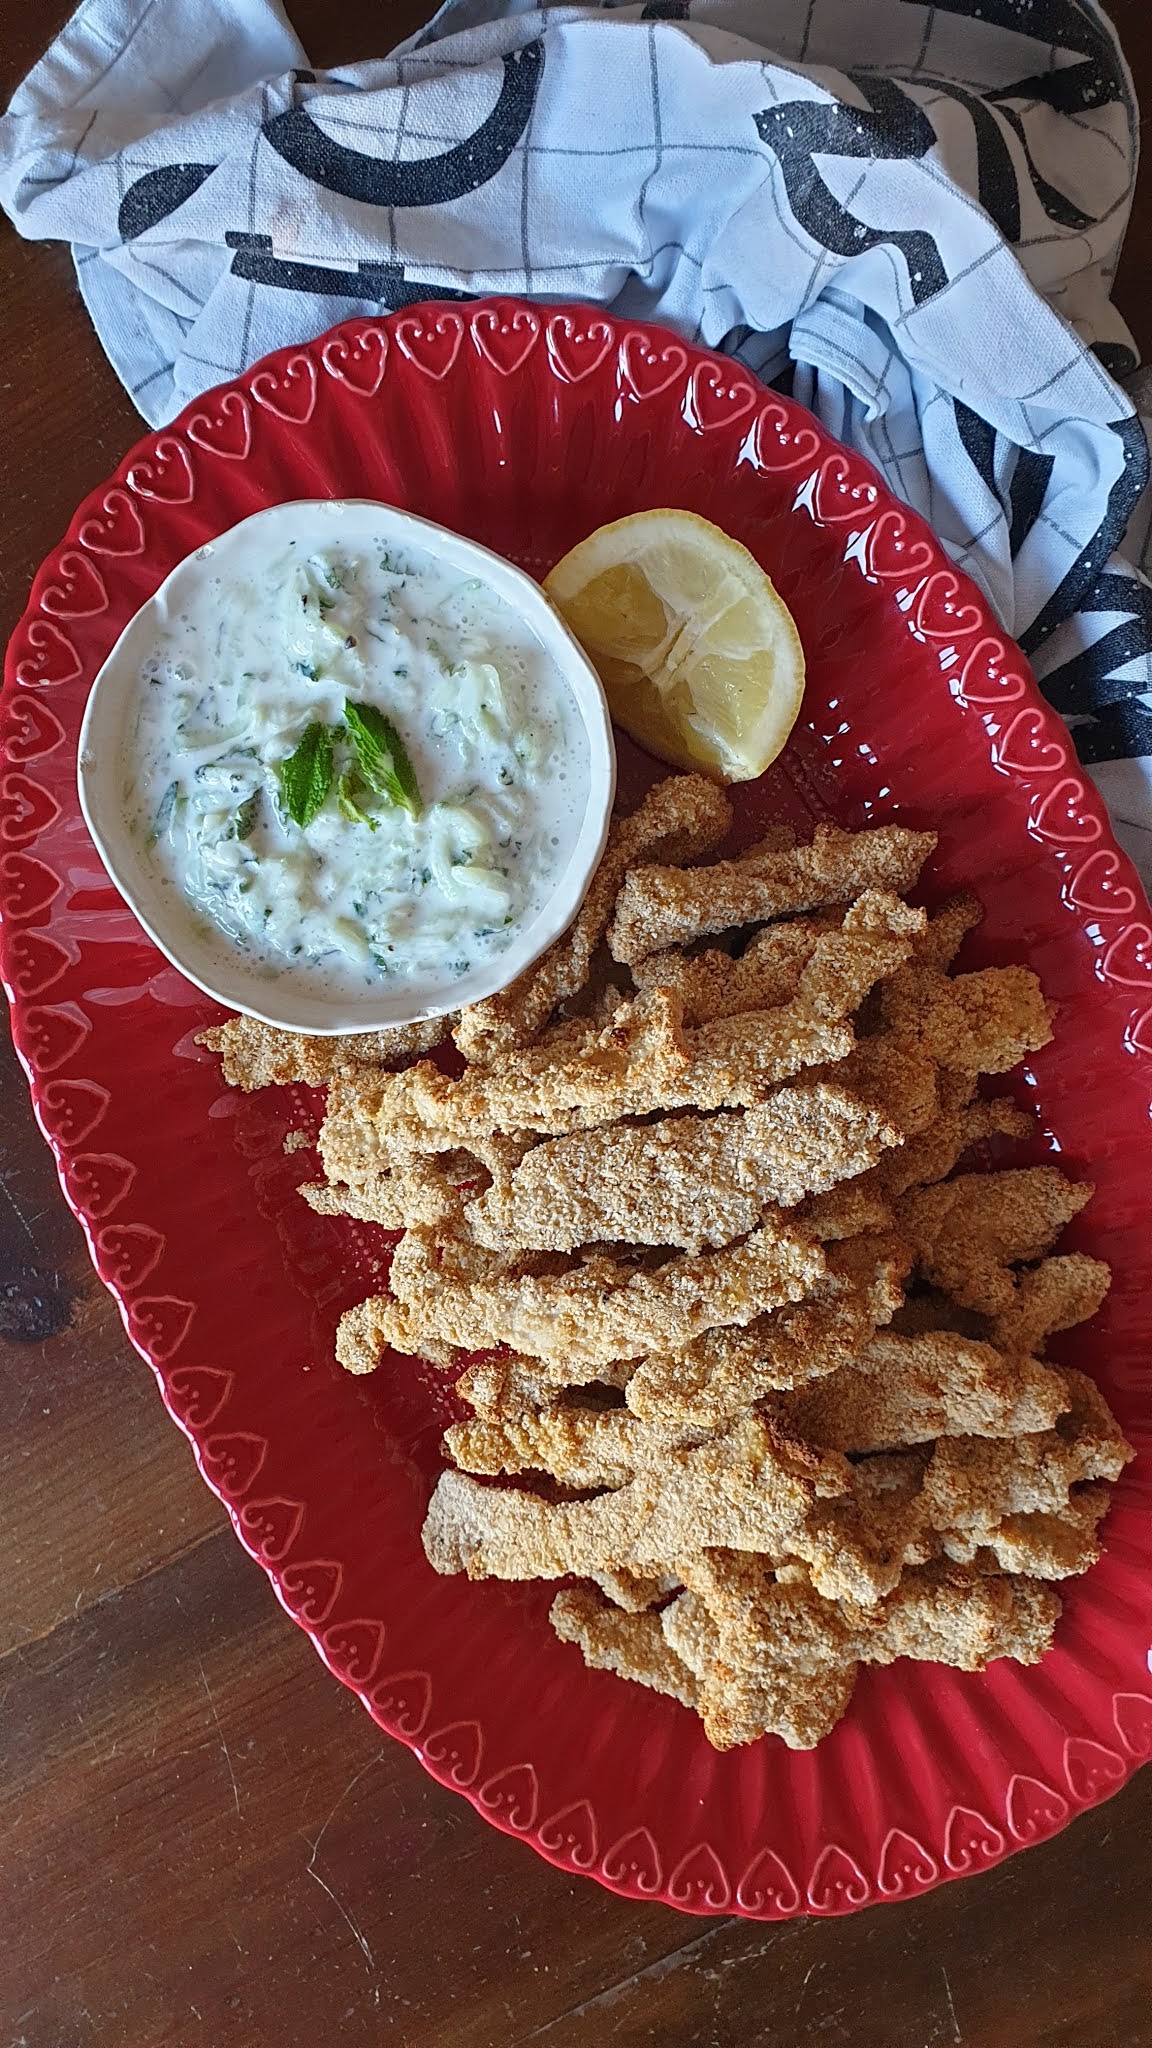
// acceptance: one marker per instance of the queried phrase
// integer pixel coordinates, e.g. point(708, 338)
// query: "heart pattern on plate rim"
point(839, 493)
point(1128, 960)
point(99, 1181)
point(577, 348)
point(270, 1527)
point(312, 1589)
point(290, 393)
point(514, 1794)
point(30, 729)
point(935, 612)
point(836, 1880)
point(969, 1840)
point(52, 1035)
point(116, 528)
point(571, 1835)
point(159, 1323)
point(80, 593)
point(358, 360)
point(889, 553)
point(354, 1649)
point(431, 341)
point(778, 443)
point(983, 680)
point(228, 432)
point(1100, 894)
point(26, 809)
point(633, 1863)
point(27, 886)
point(52, 660)
point(233, 1461)
point(717, 397)
point(648, 370)
point(199, 1394)
point(768, 1882)
point(166, 475)
point(1021, 749)
point(34, 962)
point(70, 1110)
point(455, 1752)
point(700, 1879)
point(505, 339)
point(1063, 816)
point(403, 1702)
point(128, 1253)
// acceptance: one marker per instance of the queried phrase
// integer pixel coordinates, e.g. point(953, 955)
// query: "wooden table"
point(205, 1840)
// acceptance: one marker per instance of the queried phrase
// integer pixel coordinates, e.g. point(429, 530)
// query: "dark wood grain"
point(204, 1842)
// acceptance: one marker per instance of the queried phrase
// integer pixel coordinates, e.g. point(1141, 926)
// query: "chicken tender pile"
point(751, 1340)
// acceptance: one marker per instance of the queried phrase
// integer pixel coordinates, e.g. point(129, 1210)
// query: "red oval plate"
point(526, 427)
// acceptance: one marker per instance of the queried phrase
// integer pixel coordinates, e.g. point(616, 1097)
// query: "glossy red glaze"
point(526, 427)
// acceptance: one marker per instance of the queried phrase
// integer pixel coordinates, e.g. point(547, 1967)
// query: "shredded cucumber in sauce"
point(262, 787)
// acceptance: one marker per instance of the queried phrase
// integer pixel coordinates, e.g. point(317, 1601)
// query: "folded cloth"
point(908, 214)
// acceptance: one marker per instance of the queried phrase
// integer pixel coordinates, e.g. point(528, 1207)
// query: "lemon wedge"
point(698, 653)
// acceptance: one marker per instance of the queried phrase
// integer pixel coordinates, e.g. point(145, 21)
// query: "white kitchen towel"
point(907, 212)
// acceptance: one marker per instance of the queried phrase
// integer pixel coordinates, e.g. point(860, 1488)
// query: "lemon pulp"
point(698, 653)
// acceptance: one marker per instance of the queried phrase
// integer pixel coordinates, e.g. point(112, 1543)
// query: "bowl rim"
point(274, 1000)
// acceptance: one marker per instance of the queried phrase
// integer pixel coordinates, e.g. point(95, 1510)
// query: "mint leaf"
point(382, 755)
point(348, 789)
point(306, 776)
point(165, 812)
point(247, 815)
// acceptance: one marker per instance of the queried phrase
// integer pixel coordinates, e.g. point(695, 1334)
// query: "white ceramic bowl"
point(281, 1000)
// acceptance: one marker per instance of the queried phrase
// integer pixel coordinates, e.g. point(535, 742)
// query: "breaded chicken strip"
point(910, 1390)
point(420, 1192)
point(680, 819)
point(1055, 1295)
point(509, 1384)
point(968, 1233)
point(596, 1312)
point(693, 1181)
point(788, 1668)
point(632, 1645)
point(665, 906)
point(782, 1660)
point(898, 1080)
point(735, 1490)
point(256, 1055)
point(1058, 1545)
point(629, 1066)
point(713, 984)
point(932, 1155)
point(856, 1548)
point(725, 1370)
point(642, 1062)
point(973, 1483)
point(584, 1447)
point(980, 1023)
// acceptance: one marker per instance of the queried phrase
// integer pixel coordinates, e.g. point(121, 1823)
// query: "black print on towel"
point(1110, 721)
point(1070, 593)
point(153, 197)
point(1030, 475)
point(377, 284)
point(1058, 25)
point(422, 181)
point(895, 127)
point(1070, 89)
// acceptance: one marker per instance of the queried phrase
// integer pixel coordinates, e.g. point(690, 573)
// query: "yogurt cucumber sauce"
point(354, 762)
